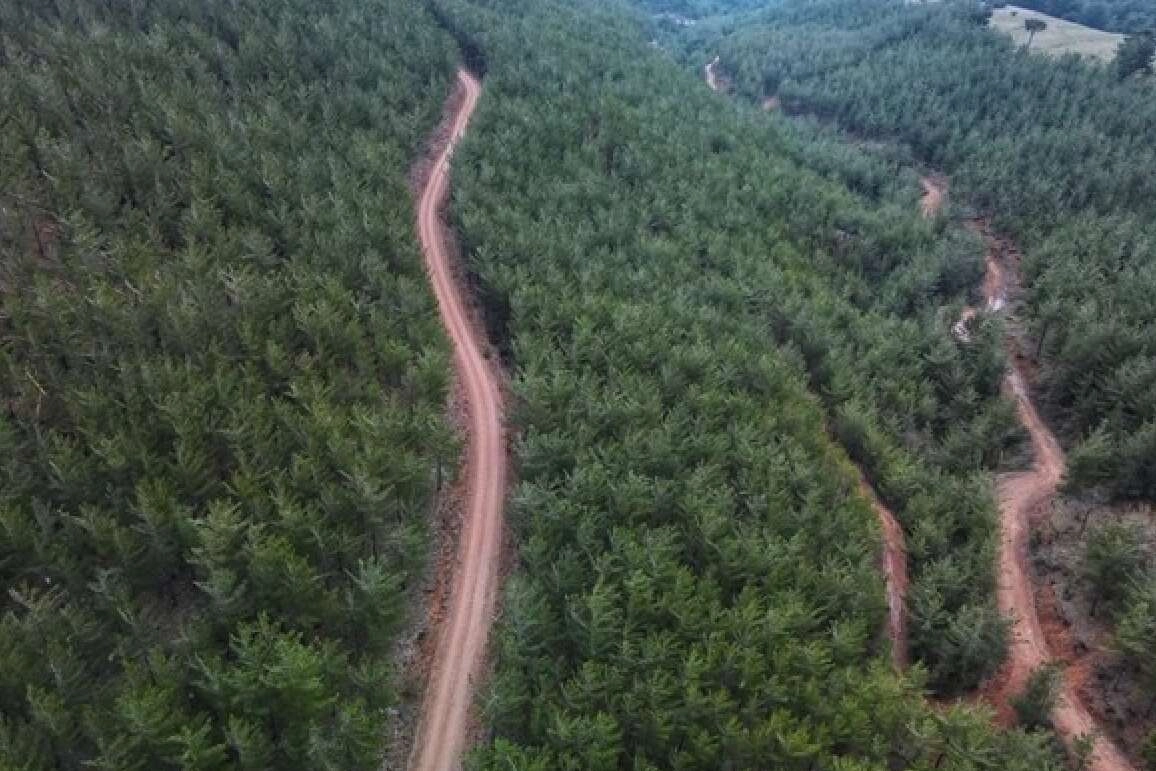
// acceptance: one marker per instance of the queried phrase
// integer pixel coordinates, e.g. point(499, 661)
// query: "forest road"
point(1024, 498)
point(894, 575)
point(934, 195)
point(459, 656)
point(712, 79)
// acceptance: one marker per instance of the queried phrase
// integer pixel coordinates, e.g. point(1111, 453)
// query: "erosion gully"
point(894, 558)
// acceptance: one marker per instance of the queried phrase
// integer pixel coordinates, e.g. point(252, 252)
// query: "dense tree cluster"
point(1120, 565)
point(1136, 55)
point(1058, 153)
point(222, 377)
point(697, 582)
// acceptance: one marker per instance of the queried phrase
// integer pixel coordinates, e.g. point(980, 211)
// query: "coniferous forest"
point(692, 545)
point(225, 382)
point(223, 377)
point(1056, 153)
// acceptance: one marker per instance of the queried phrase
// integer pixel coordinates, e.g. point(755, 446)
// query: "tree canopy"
point(698, 324)
point(1056, 153)
point(223, 378)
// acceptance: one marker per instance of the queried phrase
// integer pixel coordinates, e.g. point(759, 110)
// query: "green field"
point(1060, 37)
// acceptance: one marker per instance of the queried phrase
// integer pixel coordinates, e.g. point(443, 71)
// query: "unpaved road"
point(460, 651)
point(894, 574)
point(1024, 500)
point(712, 78)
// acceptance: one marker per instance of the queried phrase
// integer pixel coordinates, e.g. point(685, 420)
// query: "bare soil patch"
point(934, 195)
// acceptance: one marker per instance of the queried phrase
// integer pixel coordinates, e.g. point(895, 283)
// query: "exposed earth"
point(459, 656)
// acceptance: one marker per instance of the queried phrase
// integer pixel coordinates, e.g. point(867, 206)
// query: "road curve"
point(460, 651)
point(1024, 498)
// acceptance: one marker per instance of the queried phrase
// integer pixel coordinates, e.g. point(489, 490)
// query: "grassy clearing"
point(1060, 37)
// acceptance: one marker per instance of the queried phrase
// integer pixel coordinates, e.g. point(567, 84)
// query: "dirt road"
point(712, 78)
point(894, 574)
point(934, 195)
point(461, 646)
point(1024, 499)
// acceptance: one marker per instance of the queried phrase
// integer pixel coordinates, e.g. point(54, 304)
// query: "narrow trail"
point(894, 562)
point(934, 195)
point(712, 78)
point(459, 655)
point(894, 574)
point(1024, 500)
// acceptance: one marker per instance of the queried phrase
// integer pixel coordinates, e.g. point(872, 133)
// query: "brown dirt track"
point(1025, 502)
point(460, 653)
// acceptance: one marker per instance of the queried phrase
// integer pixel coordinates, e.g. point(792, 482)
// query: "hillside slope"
point(223, 378)
point(1056, 154)
point(698, 578)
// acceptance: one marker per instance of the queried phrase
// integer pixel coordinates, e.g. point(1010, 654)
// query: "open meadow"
point(1059, 37)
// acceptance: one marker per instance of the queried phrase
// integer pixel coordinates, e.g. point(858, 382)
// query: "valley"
point(584, 384)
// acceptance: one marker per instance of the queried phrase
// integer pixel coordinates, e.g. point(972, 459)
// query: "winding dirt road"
point(459, 656)
point(1024, 499)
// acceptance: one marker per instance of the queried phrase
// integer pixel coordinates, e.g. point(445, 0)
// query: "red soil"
point(459, 658)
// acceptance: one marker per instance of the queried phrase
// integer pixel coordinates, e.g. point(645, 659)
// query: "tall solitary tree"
point(1033, 26)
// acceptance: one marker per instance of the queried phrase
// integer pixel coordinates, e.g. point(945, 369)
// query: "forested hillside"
point(697, 579)
point(1058, 154)
point(222, 376)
